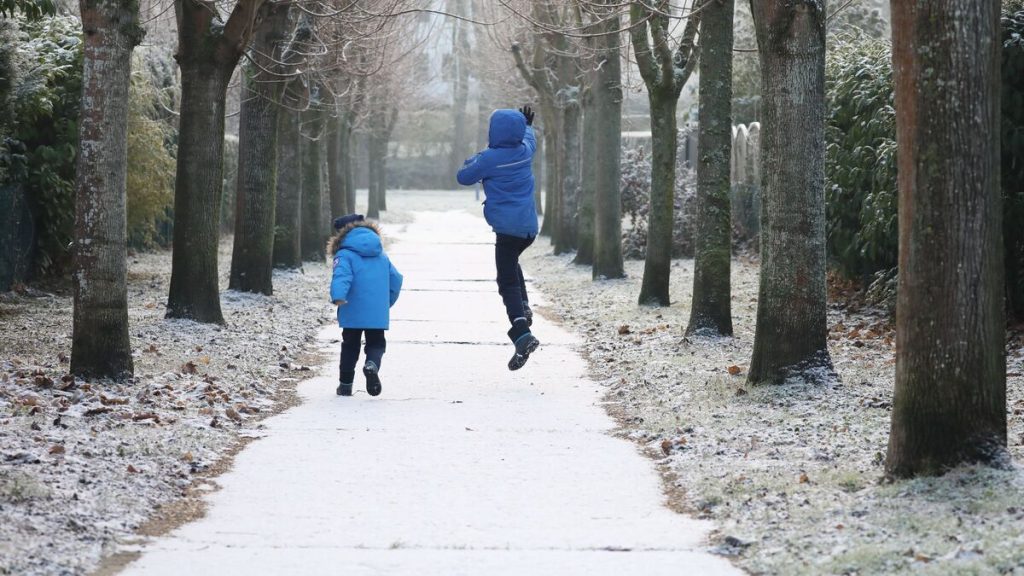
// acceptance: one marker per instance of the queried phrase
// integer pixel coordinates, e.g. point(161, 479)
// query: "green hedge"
point(860, 169)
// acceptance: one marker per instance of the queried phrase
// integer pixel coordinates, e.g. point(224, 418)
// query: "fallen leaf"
point(734, 370)
point(187, 457)
point(132, 469)
point(666, 446)
point(146, 416)
point(804, 479)
point(741, 392)
point(56, 449)
point(233, 414)
point(96, 411)
point(189, 368)
point(624, 329)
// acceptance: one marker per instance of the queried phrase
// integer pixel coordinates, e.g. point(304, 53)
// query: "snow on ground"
point(83, 463)
point(790, 474)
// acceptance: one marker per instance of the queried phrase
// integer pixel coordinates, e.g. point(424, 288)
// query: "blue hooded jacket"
point(505, 168)
point(364, 277)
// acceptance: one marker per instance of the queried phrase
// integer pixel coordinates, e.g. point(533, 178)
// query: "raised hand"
point(528, 112)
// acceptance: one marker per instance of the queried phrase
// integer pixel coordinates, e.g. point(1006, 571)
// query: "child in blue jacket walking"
point(364, 287)
point(505, 168)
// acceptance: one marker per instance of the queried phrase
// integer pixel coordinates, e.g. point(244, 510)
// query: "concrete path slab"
point(460, 467)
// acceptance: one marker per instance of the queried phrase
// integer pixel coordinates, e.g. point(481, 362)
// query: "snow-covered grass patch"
point(85, 463)
point(790, 474)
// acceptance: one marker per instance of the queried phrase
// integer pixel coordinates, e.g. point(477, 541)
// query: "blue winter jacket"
point(506, 171)
point(363, 277)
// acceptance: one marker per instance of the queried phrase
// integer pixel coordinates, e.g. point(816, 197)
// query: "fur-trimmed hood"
point(360, 242)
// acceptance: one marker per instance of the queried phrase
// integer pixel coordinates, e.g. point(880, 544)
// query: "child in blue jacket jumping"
point(364, 287)
point(505, 168)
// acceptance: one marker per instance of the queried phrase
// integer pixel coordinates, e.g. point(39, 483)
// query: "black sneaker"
point(525, 342)
point(345, 388)
point(373, 386)
point(527, 313)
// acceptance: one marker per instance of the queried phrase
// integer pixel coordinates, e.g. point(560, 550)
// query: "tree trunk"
point(552, 172)
point(791, 331)
point(253, 250)
point(374, 183)
point(588, 173)
point(607, 86)
point(194, 292)
point(313, 237)
point(288, 214)
point(336, 166)
point(348, 153)
point(711, 310)
point(568, 201)
point(949, 405)
point(658, 262)
point(460, 87)
point(100, 342)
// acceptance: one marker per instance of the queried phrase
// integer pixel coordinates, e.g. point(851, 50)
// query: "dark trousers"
point(351, 338)
point(511, 284)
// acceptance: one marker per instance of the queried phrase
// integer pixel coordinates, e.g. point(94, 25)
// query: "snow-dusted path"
point(460, 467)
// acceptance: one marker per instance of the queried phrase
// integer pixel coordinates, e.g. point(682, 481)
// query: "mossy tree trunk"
point(606, 84)
point(288, 213)
point(588, 175)
point(711, 309)
point(208, 51)
point(664, 73)
point(313, 236)
point(949, 405)
point(100, 342)
point(791, 331)
point(253, 249)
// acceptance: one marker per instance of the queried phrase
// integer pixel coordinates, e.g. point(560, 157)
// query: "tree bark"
point(288, 214)
point(661, 216)
point(607, 86)
point(568, 201)
point(711, 309)
point(949, 405)
point(588, 175)
point(336, 179)
point(313, 236)
point(665, 73)
point(100, 342)
point(460, 86)
point(790, 336)
point(208, 52)
point(253, 249)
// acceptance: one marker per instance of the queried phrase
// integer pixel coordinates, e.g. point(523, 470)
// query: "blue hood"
point(507, 129)
point(363, 241)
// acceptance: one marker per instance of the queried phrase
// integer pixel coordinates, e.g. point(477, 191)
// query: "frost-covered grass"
point(84, 463)
point(790, 474)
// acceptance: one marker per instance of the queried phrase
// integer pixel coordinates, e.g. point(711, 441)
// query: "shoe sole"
point(519, 360)
point(373, 384)
point(344, 390)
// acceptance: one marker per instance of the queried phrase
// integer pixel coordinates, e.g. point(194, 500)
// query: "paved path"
point(460, 467)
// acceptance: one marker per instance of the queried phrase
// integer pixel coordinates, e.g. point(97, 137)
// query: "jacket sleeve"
point(530, 140)
point(395, 281)
point(341, 279)
point(473, 171)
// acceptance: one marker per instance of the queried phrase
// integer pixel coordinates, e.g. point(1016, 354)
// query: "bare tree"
point(711, 309)
point(263, 82)
point(100, 343)
point(664, 72)
point(208, 51)
point(949, 405)
point(790, 336)
point(313, 237)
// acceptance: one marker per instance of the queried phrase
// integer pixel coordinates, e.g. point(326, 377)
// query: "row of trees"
point(950, 403)
point(309, 76)
point(302, 96)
